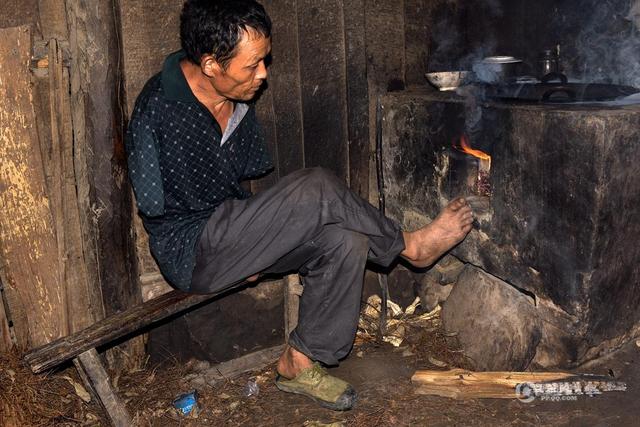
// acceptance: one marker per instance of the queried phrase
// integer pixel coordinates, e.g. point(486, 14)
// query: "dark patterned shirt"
point(182, 167)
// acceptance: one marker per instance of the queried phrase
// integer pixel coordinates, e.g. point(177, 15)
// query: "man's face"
point(245, 72)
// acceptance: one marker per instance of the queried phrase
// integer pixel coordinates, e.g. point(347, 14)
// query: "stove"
point(556, 200)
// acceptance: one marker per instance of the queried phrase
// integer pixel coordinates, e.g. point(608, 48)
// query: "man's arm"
point(144, 164)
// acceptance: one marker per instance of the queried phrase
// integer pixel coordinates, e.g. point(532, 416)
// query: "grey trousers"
point(309, 222)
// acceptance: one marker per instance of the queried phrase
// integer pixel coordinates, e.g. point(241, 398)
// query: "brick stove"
point(558, 219)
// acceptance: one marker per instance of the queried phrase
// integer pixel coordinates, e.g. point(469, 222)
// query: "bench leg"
point(292, 292)
point(95, 377)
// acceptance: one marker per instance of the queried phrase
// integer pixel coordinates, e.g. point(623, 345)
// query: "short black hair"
point(216, 26)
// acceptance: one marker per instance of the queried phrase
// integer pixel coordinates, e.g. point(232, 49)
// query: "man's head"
point(229, 40)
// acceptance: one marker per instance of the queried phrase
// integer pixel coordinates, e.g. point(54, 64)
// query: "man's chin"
point(249, 96)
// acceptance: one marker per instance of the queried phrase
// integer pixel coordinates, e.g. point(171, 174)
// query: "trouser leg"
point(245, 237)
point(331, 268)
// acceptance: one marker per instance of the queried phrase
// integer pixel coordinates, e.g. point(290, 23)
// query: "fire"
point(480, 182)
point(464, 147)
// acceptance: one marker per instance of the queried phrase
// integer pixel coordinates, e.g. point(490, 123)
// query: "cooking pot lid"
point(500, 60)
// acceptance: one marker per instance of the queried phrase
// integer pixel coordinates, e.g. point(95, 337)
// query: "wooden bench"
point(81, 346)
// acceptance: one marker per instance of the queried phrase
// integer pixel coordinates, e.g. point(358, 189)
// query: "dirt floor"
point(380, 372)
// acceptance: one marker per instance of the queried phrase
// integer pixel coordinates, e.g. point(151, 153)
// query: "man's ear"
point(209, 66)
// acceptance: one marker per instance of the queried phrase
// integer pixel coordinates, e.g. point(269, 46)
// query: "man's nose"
point(262, 71)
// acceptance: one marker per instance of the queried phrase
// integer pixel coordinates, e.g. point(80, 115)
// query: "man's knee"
point(322, 178)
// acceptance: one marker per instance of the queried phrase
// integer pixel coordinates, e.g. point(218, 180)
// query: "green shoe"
point(314, 382)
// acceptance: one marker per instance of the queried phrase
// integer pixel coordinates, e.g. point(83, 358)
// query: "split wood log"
point(100, 162)
point(463, 384)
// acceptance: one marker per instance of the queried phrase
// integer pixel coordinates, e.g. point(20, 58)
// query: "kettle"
point(549, 62)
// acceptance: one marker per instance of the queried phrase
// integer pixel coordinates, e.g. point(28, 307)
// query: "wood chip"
point(79, 389)
point(436, 362)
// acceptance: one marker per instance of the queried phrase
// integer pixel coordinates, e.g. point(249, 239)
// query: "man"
point(193, 138)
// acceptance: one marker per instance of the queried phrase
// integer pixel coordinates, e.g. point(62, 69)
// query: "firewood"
point(463, 384)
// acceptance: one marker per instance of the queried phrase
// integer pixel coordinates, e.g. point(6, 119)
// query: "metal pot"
point(497, 69)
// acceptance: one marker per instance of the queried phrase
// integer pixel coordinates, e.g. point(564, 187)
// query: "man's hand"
point(253, 278)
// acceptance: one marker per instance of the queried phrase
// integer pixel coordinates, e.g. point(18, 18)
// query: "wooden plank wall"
point(29, 249)
point(68, 74)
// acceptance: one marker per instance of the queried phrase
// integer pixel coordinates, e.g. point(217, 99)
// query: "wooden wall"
point(65, 221)
point(331, 60)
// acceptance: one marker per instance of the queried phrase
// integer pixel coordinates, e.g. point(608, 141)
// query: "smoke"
point(451, 46)
point(608, 44)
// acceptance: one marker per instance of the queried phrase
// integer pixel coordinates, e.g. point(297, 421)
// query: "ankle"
point(292, 361)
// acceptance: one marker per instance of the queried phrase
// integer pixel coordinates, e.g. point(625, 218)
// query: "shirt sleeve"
point(144, 164)
point(259, 159)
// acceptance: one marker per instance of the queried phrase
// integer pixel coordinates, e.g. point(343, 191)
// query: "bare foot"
point(292, 362)
point(423, 247)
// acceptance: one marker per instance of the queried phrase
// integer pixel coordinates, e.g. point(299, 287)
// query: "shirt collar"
point(238, 114)
point(174, 82)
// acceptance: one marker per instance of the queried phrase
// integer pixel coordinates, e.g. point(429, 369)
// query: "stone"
point(432, 293)
point(497, 326)
point(434, 286)
point(449, 268)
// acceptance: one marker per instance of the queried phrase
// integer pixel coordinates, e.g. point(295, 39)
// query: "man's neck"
point(204, 91)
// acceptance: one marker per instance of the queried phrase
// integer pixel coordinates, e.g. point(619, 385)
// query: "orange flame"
point(464, 147)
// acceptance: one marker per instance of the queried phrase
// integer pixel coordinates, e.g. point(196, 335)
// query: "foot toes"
point(456, 204)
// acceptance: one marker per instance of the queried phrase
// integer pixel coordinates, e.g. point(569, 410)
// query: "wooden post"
point(96, 379)
point(104, 199)
point(29, 246)
point(84, 302)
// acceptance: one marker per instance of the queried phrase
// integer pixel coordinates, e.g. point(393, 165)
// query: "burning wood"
point(480, 184)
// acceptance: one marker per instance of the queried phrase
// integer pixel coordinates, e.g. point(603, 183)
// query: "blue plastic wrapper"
point(187, 403)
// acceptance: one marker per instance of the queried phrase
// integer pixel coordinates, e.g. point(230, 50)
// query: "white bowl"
point(448, 80)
